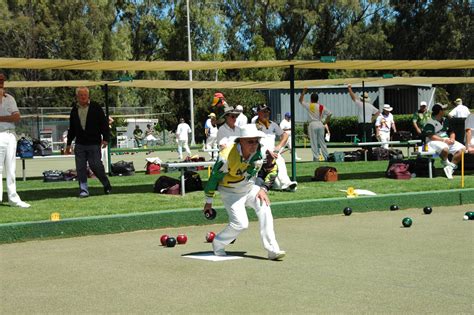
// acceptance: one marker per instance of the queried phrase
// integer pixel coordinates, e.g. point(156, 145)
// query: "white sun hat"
point(250, 131)
point(387, 107)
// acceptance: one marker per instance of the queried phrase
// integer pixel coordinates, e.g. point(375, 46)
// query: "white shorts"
point(439, 146)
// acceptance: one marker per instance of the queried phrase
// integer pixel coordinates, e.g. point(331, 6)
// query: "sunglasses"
point(232, 116)
point(252, 142)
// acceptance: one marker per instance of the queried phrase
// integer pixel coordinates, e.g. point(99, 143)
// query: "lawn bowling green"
point(364, 263)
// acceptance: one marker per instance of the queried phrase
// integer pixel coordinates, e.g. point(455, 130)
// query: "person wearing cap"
point(9, 115)
point(182, 135)
point(420, 118)
point(460, 111)
point(365, 123)
point(228, 131)
point(272, 130)
point(384, 124)
point(242, 120)
point(319, 116)
point(285, 124)
point(242, 180)
point(89, 128)
point(441, 139)
point(210, 129)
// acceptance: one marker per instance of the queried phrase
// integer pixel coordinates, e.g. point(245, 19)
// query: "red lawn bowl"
point(163, 239)
point(210, 236)
point(182, 239)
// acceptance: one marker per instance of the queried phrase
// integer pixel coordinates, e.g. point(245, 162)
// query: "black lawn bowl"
point(210, 214)
point(347, 211)
point(427, 210)
point(171, 242)
point(394, 208)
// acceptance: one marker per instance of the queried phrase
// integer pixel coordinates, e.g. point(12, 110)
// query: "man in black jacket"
point(88, 125)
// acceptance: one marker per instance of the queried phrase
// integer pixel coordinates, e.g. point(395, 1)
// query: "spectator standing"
point(9, 115)
point(460, 111)
point(235, 175)
point(420, 118)
point(285, 125)
point(365, 123)
point(442, 140)
point(89, 127)
point(384, 124)
point(242, 120)
point(182, 135)
point(211, 134)
point(319, 115)
point(138, 136)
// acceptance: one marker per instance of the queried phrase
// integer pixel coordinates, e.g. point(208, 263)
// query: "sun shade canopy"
point(170, 84)
point(125, 65)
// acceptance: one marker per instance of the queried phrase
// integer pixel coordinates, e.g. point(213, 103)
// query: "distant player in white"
point(182, 137)
point(285, 125)
point(384, 124)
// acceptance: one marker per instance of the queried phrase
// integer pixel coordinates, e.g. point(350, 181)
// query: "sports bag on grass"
point(24, 148)
point(398, 171)
point(325, 174)
point(167, 185)
point(122, 168)
point(152, 168)
point(192, 181)
point(53, 176)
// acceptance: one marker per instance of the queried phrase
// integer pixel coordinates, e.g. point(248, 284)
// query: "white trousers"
point(384, 137)
point(8, 165)
point(211, 143)
point(238, 221)
point(282, 176)
point(181, 144)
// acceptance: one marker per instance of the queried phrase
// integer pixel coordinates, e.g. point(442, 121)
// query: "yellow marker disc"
point(55, 216)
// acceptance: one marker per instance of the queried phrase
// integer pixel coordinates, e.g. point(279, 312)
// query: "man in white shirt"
point(285, 125)
point(371, 113)
point(182, 133)
point(242, 120)
point(460, 111)
point(228, 131)
point(211, 135)
point(272, 130)
point(9, 115)
point(384, 124)
point(469, 127)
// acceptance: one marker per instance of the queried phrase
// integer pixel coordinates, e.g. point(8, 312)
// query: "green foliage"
point(228, 30)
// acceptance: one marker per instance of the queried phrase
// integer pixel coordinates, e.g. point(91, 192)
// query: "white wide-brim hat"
point(250, 131)
point(387, 107)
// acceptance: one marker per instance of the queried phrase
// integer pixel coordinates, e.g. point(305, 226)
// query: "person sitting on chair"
point(442, 140)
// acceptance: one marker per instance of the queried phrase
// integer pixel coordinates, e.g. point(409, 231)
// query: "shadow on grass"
point(61, 192)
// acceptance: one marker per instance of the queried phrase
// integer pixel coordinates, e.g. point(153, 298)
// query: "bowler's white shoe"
point(276, 255)
point(448, 170)
point(20, 204)
point(218, 251)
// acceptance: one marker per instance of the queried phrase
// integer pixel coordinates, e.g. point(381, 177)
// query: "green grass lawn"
point(135, 193)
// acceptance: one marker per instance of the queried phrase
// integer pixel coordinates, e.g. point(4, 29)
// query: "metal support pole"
point(293, 131)
point(106, 92)
point(191, 97)
point(363, 113)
